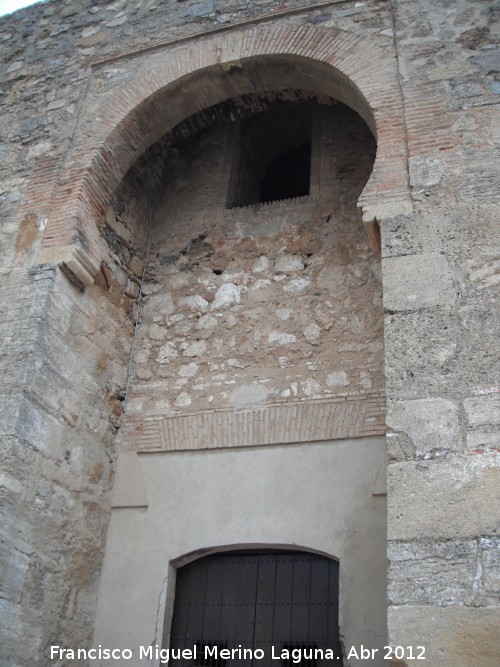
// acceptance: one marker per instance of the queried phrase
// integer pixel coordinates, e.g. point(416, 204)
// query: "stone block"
point(479, 442)
point(483, 419)
point(482, 410)
point(417, 281)
point(484, 268)
point(399, 236)
point(427, 353)
point(488, 586)
point(39, 429)
point(260, 265)
point(458, 230)
point(288, 264)
point(444, 499)
point(489, 61)
point(452, 636)
point(158, 305)
point(227, 295)
point(118, 227)
point(430, 427)
point(10, 407)
point(14, 565)
point(14, 652)
point(433, 573)
point(425, 172)
point(197, 10)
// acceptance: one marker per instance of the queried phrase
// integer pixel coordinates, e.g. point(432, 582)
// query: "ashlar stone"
point(418, 281)
point(432, 425)
point(426, 572)
point(421, 494)
point(454, 635)
point(483, 410)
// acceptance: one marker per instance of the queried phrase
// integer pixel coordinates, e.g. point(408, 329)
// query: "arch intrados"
point(167, 107)
point(168, 87)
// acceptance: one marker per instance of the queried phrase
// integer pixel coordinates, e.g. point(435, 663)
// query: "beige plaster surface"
point(315, 496)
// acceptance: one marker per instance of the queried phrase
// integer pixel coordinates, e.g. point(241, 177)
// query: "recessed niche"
point(273, 157)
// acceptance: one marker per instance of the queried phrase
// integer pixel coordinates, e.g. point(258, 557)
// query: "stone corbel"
point(75, 262)
point(373, 231)
point(372, 213)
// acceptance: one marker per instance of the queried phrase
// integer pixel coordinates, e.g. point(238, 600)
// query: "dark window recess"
point(257, 600)
point(272, 158)
point(288, 176)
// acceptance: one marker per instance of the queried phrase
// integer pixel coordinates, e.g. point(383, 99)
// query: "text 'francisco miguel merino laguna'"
point(165, 655)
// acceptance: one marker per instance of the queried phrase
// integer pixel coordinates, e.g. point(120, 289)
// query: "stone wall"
point(207, 338)
point(440, 269)
point(64, 362)
point(65, 352)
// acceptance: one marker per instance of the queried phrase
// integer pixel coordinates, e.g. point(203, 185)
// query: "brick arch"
point(168, 87)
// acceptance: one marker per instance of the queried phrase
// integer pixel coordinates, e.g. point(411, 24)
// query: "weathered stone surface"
point(227, 295)
point(482, 410)
point(460, 572)
point(419, 281)
point(429, 573)
point(425, 171)
point(451, 636)
point(423, 495)
point(484, 270)
point(159, 305)
point(400, 236)
point(490, 61)
point(427, 351)
point(288, 264)
point(425, 428)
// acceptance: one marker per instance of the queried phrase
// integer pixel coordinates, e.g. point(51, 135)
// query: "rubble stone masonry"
point(114, 185)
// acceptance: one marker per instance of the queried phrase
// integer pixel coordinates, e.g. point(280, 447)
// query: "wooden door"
point(271, 602)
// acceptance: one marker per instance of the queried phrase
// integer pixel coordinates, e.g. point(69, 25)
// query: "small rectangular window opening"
point(273, 160)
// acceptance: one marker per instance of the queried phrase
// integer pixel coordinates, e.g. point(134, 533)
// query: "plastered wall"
point(317, 494)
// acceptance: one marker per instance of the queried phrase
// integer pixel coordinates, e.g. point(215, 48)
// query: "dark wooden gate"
point(274, 601)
